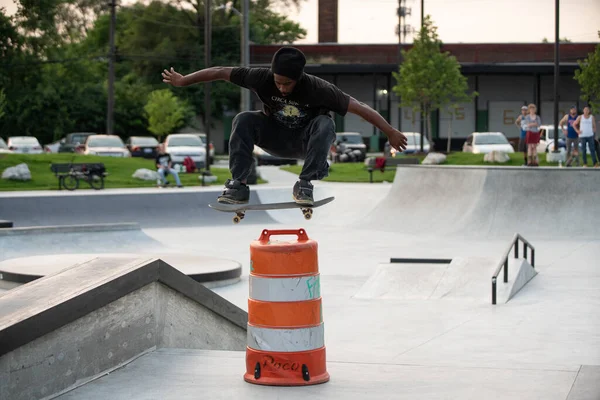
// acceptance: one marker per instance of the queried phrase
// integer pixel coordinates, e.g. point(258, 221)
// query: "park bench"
point(69, 175)
point(391, 163)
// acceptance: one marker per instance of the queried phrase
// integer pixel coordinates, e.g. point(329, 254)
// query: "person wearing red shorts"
point(532, 138)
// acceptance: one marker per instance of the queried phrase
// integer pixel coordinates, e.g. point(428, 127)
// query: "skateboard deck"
point(240, 209)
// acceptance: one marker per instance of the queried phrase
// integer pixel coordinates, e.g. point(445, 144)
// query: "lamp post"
point(556, 73)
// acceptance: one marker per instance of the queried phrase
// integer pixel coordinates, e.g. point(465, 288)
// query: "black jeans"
point(311, 143)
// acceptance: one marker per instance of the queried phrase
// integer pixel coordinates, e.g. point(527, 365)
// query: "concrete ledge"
point(40, 307)
point(5, 224)
point(70, 229)
point(69, 328)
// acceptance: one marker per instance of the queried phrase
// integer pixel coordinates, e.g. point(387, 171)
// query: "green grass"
point(120, 172)
point(355, 172)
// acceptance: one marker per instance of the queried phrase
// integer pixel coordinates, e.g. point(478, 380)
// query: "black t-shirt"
point(163, 159)
point(312, 96)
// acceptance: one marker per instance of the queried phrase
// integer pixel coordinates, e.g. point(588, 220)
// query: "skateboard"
point(240, 209)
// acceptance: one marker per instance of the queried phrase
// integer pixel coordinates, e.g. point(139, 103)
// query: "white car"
point(4, 147)
point(24, 145)
point(486, 142)
point(182, 145)
point(413, 145)
point(105, 145)
point(211, 147)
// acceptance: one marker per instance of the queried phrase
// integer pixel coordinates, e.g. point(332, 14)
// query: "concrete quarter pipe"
point(490, 201)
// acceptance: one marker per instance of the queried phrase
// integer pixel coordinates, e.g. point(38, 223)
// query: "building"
point(506, 76)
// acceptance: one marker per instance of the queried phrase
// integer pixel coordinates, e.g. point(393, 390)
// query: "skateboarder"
point(295, 121)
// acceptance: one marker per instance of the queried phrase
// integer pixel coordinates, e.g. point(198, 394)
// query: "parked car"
point(105, 145)
point(211, 147)
point(142, 146)
point(486, 142)
point(413, 145)
point(351, 141)
point(547, 139)
point(262, 157)
point(182, 145)
point(24, 145)
point(4, 147)
point(73, 142)
point(52, 147)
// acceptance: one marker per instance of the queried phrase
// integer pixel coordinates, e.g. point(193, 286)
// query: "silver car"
point(24, 145)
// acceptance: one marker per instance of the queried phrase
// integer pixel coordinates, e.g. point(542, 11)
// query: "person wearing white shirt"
point(586, 128)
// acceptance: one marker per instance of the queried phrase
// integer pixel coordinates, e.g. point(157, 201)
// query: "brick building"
point(506, 76)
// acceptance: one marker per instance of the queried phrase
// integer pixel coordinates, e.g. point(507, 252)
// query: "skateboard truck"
point(240, 209)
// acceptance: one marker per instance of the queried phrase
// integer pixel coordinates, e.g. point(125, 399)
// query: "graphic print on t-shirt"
point(288, 113)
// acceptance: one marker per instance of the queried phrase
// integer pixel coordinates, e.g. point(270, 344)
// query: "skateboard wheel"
point(236, 220)
point(308, 215)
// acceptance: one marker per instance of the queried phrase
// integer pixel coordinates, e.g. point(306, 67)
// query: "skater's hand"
point(397, 140)
point(172, 77)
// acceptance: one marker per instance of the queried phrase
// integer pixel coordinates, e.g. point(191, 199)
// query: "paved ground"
point(543, 344)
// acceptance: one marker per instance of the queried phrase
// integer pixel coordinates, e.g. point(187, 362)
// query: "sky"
point(466, 21)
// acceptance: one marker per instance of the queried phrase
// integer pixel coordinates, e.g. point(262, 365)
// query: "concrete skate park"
point(143, 294)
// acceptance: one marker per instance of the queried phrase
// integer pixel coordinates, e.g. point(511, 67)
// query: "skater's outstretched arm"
point(204, 75)
point(397, 139)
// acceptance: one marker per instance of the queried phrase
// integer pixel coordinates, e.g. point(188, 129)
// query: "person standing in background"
point(586, 127)
point(532, 137)
point(571, 135)
point(520, 122)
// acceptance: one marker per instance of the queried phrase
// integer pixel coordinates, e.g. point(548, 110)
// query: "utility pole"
point(403, 11)
point(556, 72)
point(245, 45)
point(422, 114)
point(207, 85)
point(111, 68)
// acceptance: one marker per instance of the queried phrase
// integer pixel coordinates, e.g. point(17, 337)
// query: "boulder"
point(145, 174)
point(496, 156)
point(19, 172)
point(208, 178)
point(434, 158)
point(552, 157)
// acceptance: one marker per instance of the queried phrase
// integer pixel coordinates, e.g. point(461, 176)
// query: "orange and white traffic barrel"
point(286, 335)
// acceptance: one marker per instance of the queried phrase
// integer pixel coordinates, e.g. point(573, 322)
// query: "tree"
point(429, 79)
point(588, 76)
point(2, 103)
point(560, 40)
point(165, 112)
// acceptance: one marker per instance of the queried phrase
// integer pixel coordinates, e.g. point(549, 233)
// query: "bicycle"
point(93, 175)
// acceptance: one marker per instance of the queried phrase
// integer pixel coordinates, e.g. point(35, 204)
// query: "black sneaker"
point(303, 192)
point(235, 193)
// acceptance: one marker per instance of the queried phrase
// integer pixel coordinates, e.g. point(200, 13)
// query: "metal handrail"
point(504, 261)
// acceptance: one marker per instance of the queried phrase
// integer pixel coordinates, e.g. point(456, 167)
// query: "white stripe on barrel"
point(285, 289)
point(289, 340)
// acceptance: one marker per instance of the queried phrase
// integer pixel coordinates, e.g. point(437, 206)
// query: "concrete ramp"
point(150, 208)
point(490, 202)
point(462, 279)
point(69, 328)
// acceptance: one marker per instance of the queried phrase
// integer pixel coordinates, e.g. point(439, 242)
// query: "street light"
point(244, 46)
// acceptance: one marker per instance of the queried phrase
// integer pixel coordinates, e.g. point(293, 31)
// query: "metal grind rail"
point(504, 261)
